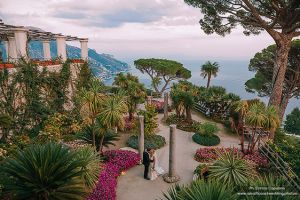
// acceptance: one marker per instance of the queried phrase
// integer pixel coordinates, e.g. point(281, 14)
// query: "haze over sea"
point(232, 76)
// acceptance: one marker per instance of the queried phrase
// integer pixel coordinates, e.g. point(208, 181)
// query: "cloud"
point(132, 28)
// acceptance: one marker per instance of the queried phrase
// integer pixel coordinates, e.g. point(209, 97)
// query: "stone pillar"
point(5, 43)
point(172, 177)
point(12, 51)
point(84, 48)
point(141, 136)
point(21, 42)
point(165, 105)
point(46, 50)
point(61, 47)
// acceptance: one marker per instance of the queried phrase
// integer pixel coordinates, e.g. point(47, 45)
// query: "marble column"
point(171, 176)
point(61, 47)
point(166, 105)
point(141, 136)
point(84, 48)
point(46, 50)
point(12, 51)
point(5, 43)
point(21, 42)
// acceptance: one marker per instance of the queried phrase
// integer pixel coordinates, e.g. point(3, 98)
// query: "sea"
point(232, 76)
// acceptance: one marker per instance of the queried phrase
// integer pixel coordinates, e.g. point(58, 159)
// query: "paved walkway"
point(132, 186)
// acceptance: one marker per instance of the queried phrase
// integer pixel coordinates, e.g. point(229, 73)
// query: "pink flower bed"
point(116, 162)
point(258, 159)
point(210, 154)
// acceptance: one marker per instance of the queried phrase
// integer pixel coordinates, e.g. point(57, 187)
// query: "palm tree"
point(208, 70)
point(272, 120)
point(242, 108)
point(109, 137)
point(256, 119)
point(133, 89)
point(91, 102)
point(51, 171)
point(231, 170)
point(112, 113)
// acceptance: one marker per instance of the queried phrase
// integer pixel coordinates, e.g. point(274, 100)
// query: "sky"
point(130, 29)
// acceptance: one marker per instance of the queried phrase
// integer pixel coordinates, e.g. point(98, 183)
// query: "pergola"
point(15, 39)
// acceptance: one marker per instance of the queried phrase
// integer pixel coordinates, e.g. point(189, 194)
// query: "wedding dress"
point(157, 168)
point(152, 174)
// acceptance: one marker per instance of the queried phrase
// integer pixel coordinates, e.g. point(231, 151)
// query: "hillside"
point(102, 65)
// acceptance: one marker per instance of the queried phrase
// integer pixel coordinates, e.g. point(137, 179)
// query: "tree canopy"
point(208, 70)
point(292, 123)
point(162, 70)
point(263, 64)
point(280, 19)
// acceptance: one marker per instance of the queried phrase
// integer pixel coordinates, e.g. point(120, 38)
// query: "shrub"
point(69, 138)
point(63, 174)
point(150, 119)
point(206, 140)
point(199, 170)
point(182, 124)
point(207, 129)
point(153, 141)
point(115, 162)
point(87, 135)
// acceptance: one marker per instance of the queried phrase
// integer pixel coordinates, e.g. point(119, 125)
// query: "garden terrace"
point(15, 39)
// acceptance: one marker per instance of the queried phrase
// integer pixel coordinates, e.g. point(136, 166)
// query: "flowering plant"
point(211, 154)
point(259, 160)
point(116, 161)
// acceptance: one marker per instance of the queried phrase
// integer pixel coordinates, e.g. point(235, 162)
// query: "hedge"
point(206, 140)
point(154, 141)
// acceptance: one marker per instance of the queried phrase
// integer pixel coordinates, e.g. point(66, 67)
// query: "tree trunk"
point(208, 80)
point(130, 116)
point(101, 144)
point(93, 133)
point(283, 105)
point(188, 114)
point(281, 61)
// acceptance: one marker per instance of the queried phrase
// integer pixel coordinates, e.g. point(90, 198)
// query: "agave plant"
point(201, 190)
point(269, 183)
point(50, 171)
point(231, 170)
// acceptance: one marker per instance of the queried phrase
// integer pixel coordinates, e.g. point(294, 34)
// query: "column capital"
point(60, 36)
point(83, 39)
point(45, 41)
point(173, 126)
point(19, 29)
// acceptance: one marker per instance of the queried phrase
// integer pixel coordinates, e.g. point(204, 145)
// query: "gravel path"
point(132, 186)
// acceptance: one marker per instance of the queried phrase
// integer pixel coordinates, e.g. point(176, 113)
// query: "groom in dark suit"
point(146, 163)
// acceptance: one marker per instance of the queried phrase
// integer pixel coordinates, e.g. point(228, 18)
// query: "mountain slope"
point(102, 65)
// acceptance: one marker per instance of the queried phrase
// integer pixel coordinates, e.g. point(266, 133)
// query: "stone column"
point(165, 105)
point(84, 48)
point(5, 43)
point(46, 50)
point(12, 51)
point(21, 42)
point(61, 47)
point(172, 177)
point(141, 136)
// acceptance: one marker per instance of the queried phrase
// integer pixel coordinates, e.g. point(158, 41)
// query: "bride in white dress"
point(154, 169)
